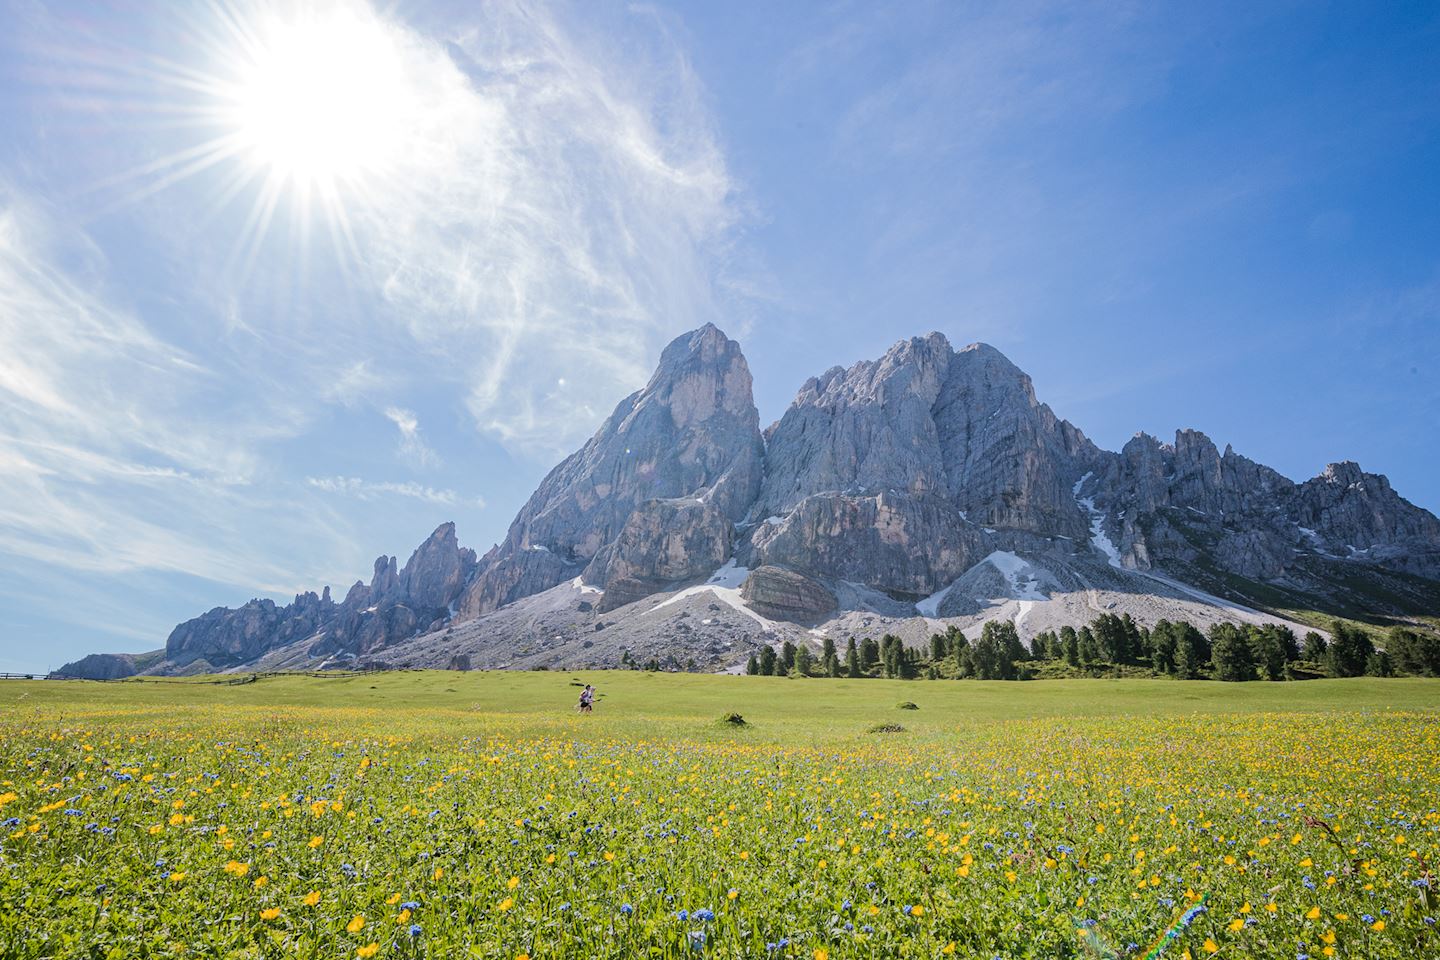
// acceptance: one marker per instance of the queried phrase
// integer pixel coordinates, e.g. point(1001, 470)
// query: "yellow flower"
point(393, 899)
point(439, 872)
point(367, 951)
point(1313, 913)
point(311, 898)
point(822, 954)
point(1378, 925)
point(1237, 925)
point(507, 903)
point(916, 910)
point(261, 880)
point(270, 914)
point(1328, 936)
point(237, 868)
point(403, 917)
point(1211, 946)
point(512, 883)
point(356, 924)
point(744, 854)
point(609, 856)
point(316, 841)
point(177, 876)
point(522, 956)
point(949, 948)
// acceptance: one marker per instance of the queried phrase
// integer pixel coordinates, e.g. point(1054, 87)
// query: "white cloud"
point(115, 454)
point(370, 489)
point(412, 447)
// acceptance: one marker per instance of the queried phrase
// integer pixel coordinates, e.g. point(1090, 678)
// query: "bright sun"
point(313, 98)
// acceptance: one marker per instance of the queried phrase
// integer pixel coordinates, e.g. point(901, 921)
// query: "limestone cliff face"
point(895, 475)
point(395, 605)
point(1189, 502)
point(889, 472)
point(692, 433)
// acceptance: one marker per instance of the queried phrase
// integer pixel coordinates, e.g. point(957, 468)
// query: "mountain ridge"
point(882, 485)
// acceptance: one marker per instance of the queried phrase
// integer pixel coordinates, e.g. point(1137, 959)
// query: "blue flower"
point(704, 915)
point(414, 929)
point(906, 909)
point(626, 909)
point(410, 905)
point(682, 915)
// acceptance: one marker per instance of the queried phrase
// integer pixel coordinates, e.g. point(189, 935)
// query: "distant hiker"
point(587, 699)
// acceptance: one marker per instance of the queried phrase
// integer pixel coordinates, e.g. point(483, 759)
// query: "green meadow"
point(439, 814)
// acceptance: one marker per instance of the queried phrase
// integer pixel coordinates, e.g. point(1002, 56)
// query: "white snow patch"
point(988, 529)
point(1080, 483)
point(930, 606)
point(579, 584)
point(707, 621)
point(724, 583)
point(818, 633)
point(1023, 581)
point(1097, 526)
point(538, 547)
point(774, 521)
point(1025, 607)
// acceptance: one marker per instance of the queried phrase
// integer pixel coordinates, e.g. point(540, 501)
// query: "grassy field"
point(475, 814)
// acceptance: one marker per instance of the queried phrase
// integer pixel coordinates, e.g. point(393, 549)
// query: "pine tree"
point(985, 652)
point(1350, 649)
point(827, 649)
point(752, 666)
point(778, 669)
point(937, 647)
point(869, 654)
point(832, 666)
point(767, 661)
point(1414, 652)
point(1070, 645)
point(804, 660)
point(852, 661)
point(891, 653)
point(1230, 653)
point(787, 655)
point(959, 652)
point(1314, 647)
point(1288, 643)
point(1089, 648)
point(1192, 651)
point(1132, 639)
point(1267, 648)
point(1162, 647)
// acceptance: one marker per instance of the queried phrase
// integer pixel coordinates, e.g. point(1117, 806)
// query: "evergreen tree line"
point(1109, 644)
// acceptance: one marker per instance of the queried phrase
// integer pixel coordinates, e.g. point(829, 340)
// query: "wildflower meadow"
point(475, 815)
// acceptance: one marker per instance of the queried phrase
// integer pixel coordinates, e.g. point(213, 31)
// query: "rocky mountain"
point(928, 486)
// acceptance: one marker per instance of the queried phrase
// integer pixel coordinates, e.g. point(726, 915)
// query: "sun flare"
point(314, 97)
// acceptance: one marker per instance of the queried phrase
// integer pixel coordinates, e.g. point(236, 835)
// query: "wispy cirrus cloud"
point(372, 489)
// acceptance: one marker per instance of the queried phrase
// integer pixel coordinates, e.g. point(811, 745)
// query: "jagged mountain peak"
point(886, 481)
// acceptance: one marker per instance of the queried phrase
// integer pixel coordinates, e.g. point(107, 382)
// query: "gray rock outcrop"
point(691, 433)
point(782, 594)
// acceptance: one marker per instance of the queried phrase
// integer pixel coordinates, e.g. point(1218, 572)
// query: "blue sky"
point(1219, 216)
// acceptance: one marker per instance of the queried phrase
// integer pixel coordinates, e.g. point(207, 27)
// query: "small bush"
point(907, 705)
point(733, 719)
point(887, 728)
